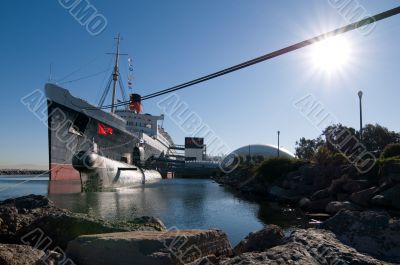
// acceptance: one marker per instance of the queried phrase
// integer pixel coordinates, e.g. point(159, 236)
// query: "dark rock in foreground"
point(311, 246)
point(370, 232)
point(18, 213)
point(20, 255)
point(270, 236)
point(33, 218)
point(335, 206)
point(149, 247)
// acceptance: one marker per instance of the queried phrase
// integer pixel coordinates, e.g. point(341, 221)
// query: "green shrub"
point(274, 169)
point(386, 163)
point(324, 156)
point(391, 150)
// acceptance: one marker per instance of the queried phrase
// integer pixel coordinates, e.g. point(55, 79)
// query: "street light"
point(360, 94)
point(278, 141)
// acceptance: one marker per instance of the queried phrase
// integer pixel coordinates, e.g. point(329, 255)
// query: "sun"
point(331, 54)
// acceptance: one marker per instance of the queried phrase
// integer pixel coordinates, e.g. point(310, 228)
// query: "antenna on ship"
point(115, 73)
point(51, 72)
point(114, 78)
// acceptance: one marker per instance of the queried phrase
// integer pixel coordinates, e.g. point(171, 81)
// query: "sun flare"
point(331, 54)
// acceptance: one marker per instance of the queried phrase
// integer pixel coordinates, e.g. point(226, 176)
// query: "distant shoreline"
point(21, 172)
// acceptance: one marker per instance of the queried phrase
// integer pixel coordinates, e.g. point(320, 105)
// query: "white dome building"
point(264, 150)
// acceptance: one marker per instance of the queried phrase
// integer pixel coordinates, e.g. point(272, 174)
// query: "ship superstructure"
point(124, 136)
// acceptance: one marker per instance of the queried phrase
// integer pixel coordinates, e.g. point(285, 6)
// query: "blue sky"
point(175, 41)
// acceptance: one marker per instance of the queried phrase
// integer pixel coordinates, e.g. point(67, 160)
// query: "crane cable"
point(302, 44)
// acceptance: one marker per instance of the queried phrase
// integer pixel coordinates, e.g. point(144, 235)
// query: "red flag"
point(104, 130)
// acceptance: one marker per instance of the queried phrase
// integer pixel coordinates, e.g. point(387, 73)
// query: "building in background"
point(195, 149)
point(259, 152)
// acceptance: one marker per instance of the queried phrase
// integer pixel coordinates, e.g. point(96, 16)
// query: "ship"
point(102, 148)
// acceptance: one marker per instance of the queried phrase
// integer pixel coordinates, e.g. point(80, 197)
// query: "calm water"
point(180, 203)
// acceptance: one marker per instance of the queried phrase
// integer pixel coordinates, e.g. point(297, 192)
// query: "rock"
point(391, 170)
point(29, 202)
point(380, 201)
point(61, 228)
point(308, 174)
point(369, 232)
point(304, 203)
point(337, 184)
point(321, 194)
point(363, 197)
point(352, 185)
point(292, 253)
point(20, 255)
point(318, 217)
point(343, 197)
point(304, 189)
point(208, 260)
point(32, 218)
point(283, 195)
point(148, 247)
point(20, 212)
point(328, 173)
point(318, 205)
point(311, 246)
point(269, 236)
point(392, 196)
point(336, 206)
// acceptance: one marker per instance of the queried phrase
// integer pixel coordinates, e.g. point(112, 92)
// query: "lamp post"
point(360, 94)
point(278, 141)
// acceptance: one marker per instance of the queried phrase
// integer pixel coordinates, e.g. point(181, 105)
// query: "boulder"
point(304, 203)
point(369, 232)
point(354, 185)
point(311, 246)
point(20, 212)
point(208, 260)
point(320, 194)
point(328, 173)
point(149, 247)
point(20, 255)
point(269, 236)
point(335, 206)
point(32, 219)
point(292, 253)
point(391, 170)
point(380, 201)
point(61, 228)
point(283, 195)
point(392, 196)
point(304, 189)
point(363, 197)
point(337, 185)
point(343, 197)
point(318, 205)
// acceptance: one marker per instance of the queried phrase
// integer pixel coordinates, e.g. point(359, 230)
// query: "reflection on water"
point(180, 203)
point(184, 204)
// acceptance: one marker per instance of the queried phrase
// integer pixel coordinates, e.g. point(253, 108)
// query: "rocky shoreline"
point(34, 231)
point(324, 189)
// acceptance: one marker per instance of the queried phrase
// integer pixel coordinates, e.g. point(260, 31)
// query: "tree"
point(306, 148)
point(391, 150)
point(338, 135)
point(376, 137)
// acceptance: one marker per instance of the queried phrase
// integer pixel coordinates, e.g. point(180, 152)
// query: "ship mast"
point(115, 74)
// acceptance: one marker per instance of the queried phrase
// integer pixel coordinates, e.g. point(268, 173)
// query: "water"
point(179, 203)
point(14, 186)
